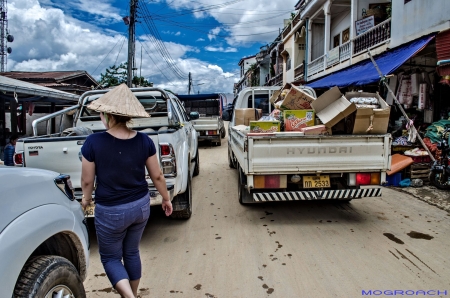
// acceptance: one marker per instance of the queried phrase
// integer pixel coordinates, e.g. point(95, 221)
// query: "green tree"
point(116, 75)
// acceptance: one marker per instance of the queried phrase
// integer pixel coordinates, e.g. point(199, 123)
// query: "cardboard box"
point(295, 120)
point(264, 126)
point(244, 116)
point(315, 130)
point(331, 107)
point(295, 99)
point(369, 120)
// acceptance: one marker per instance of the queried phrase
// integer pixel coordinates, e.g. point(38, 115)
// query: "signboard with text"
point(365, 24)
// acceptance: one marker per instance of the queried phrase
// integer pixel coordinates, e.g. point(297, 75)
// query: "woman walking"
point(116, 159)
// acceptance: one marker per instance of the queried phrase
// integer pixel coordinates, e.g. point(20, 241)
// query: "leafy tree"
point(116, 75)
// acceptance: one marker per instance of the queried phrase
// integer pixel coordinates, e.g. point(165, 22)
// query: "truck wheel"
point(49, 276)
point(197, 165)
point(222, 133)
point(230, 160)
point(184, 199)
point(244, 196)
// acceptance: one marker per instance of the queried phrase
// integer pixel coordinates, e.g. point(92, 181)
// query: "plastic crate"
point(394, 179)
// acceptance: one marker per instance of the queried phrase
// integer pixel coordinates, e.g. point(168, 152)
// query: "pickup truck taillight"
point(18, 159)
point(168, 160)
point(364, 179)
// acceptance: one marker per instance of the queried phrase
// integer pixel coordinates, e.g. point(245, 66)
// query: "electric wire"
point(153, 34)
point(115, 63)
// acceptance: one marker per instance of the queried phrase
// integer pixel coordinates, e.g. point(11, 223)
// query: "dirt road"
point(288, 249)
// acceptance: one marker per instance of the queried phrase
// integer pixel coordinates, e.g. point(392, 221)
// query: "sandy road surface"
point(288, 249)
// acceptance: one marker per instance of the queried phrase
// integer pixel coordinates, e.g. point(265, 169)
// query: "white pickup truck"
point(289, 166)
point(210, 125)
point(169, 126)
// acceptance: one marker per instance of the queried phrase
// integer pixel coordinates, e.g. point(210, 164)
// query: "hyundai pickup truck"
point(289, 166)
point(169, 126)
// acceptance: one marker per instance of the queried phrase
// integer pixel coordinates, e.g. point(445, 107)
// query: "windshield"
point(154, 103)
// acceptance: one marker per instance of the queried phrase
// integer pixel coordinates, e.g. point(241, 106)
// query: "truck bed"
point(287, 154)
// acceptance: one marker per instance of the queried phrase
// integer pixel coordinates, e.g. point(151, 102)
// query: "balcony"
point(276, 80)
point(316, 65)
point(299, 72)
point(372, 37)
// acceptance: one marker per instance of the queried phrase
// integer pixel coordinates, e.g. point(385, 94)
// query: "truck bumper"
point(211, 138)
point(339, 194)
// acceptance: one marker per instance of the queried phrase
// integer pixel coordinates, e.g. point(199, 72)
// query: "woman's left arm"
point(87, 181)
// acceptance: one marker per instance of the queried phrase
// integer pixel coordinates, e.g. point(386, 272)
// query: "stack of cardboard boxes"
point(330, 113)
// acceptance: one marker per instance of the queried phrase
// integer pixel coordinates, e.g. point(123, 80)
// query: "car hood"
point(23, 189)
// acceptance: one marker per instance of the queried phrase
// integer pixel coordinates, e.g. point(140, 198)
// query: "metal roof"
point(12, 85)
point(46, 75)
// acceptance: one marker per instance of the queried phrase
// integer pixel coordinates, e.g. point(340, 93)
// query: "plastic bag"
point(405, 182)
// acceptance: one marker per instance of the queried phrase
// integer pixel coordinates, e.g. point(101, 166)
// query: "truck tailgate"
point(206, 123)
point(315, 154)
point(61, 154)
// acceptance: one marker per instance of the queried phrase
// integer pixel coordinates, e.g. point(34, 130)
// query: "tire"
point(223, 133)
point(436, 180)
point(219, 142)
point(185, 199)
point(76, 131)
point(44, 275)
point(197, 164)
point(230, 160)
point(244, 196)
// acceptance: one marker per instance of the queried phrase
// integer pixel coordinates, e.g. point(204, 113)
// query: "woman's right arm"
point(160, 183)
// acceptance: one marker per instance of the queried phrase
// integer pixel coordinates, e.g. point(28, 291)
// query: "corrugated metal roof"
point(53, 75)
point(12, 85)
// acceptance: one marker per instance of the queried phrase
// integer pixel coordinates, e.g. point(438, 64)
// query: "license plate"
point(322, 181)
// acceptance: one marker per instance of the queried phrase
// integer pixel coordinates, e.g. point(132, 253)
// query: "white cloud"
point(47, 38)
point(200, 39)
point(245, 22)
point(178, 33)
point(213, 32)
point(221, 49)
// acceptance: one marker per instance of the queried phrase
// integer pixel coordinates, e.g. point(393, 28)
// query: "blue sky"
point(206, 38)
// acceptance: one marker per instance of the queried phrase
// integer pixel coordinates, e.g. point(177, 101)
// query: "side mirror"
point(194, 115)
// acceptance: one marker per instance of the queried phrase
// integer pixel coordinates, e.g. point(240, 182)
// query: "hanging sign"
point(365, 24)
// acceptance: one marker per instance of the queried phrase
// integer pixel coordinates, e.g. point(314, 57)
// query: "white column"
point(353, 19)
point(309, 42)
point(326, 12)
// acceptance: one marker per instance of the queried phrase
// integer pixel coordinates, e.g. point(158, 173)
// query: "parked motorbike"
point(440, 168)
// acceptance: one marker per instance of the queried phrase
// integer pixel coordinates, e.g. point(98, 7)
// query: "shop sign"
point(365, 24)
point(333, 56)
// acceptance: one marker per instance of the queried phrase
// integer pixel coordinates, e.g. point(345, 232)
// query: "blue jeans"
point(119, 231)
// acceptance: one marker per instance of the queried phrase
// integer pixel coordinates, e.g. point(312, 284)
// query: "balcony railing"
point(316, 65)
point(276, 80)
point(345, 51)
point(299, 72)
point(372, 37)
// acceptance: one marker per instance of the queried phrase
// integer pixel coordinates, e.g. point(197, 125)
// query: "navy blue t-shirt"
point(119, 166)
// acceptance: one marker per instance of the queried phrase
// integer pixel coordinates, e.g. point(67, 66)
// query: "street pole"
point(190, 83)
point(383, 78)
point(131, 41)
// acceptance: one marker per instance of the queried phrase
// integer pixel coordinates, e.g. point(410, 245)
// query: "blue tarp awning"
point(365, 72)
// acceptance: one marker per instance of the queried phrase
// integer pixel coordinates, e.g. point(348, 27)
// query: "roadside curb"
point(428, 194)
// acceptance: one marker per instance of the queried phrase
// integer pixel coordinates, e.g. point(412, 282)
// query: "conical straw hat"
point(119, 101)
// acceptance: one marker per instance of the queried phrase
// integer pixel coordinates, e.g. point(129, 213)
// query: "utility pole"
point(4, 35)
point(190, 83)
point(131, 41)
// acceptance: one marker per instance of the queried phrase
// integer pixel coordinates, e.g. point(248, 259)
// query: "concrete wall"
point(339, 24)
point(417, 18)
point(246, 65)
point(263, 72)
